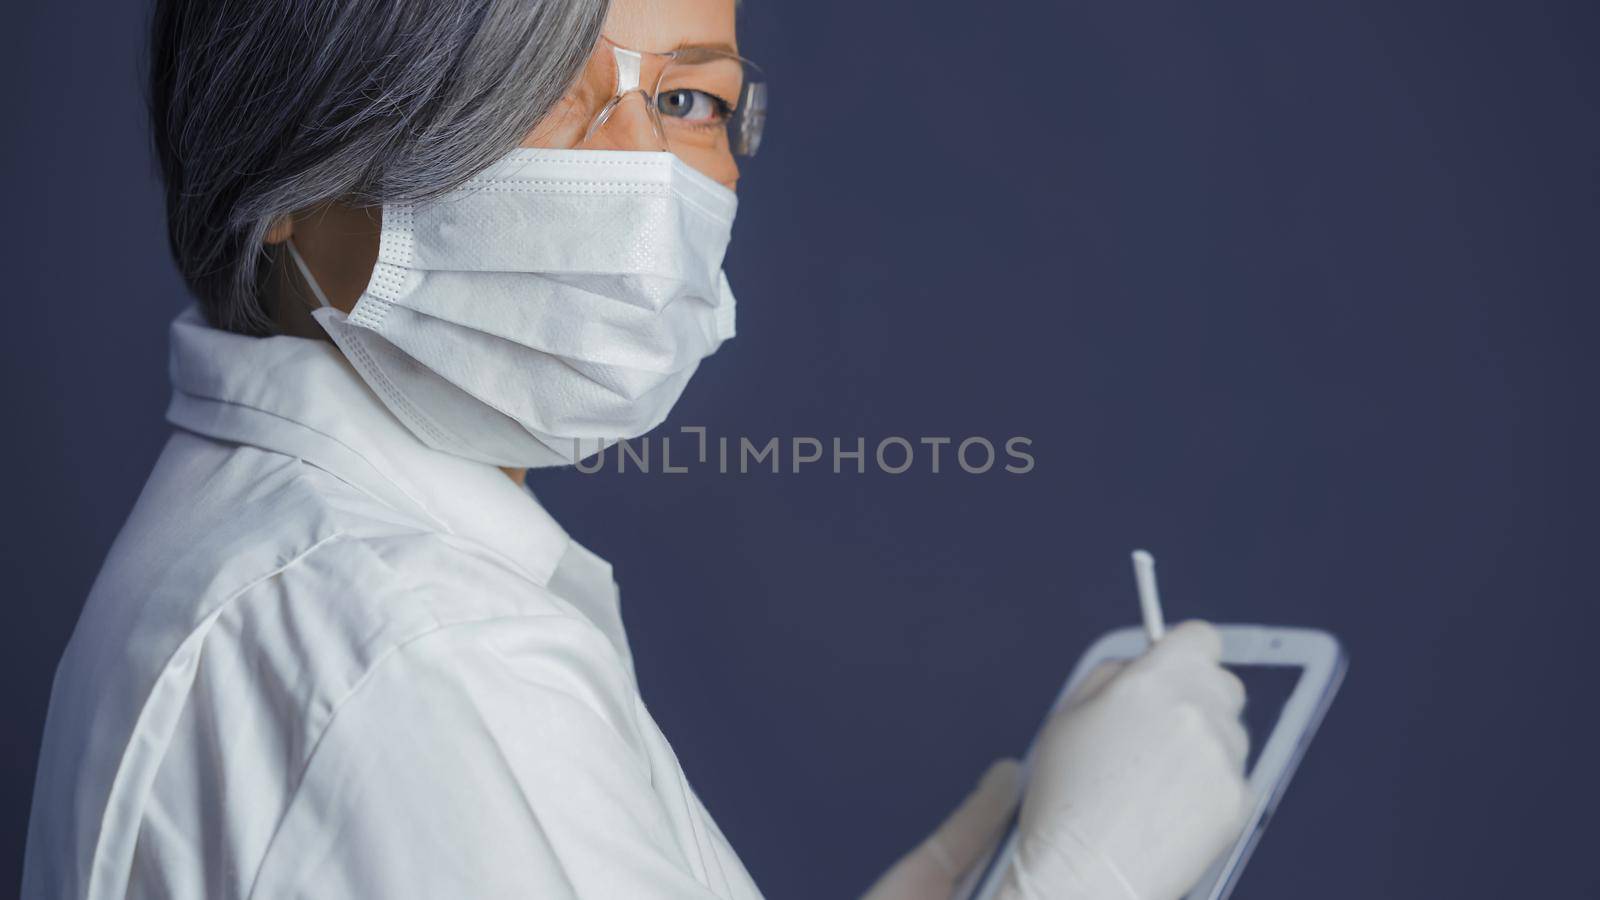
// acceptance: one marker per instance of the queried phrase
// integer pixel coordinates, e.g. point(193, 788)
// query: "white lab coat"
point(324, 660)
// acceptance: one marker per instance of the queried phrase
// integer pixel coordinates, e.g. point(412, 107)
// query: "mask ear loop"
point(305, 272)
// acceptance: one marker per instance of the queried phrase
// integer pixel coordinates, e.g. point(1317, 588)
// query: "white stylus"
point(1144, 572)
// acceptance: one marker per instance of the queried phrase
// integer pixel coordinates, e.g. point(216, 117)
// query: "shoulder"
point(253, 602)
point(219, 524)
point(344, 585)
point(273, 578)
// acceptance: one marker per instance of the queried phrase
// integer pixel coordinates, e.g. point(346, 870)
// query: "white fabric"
point(1138, 781)
point(558, 299)
point(324, 660)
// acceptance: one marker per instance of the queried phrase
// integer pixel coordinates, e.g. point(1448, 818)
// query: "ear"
point(281, 230)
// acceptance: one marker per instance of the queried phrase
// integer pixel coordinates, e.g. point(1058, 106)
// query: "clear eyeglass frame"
point(733, 87)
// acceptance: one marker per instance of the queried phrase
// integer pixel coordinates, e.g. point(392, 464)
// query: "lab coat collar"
point(298, 396)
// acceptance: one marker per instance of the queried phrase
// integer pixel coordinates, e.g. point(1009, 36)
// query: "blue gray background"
point(1299, 295)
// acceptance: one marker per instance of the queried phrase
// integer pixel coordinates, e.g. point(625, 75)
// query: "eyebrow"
point(719, 47)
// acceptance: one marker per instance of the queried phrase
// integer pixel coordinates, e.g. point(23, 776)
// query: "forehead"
point(661, 25)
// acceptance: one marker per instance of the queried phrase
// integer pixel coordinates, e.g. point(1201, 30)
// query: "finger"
point(1190, 639)
point(1235, 740)
point(1212, 686)
point(1097, 678)
point(1233, 690)
point(960, 841)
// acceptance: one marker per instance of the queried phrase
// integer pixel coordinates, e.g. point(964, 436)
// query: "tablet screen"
point(1266, 691)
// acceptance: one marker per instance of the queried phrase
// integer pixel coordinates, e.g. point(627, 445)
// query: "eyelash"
point(724, 111)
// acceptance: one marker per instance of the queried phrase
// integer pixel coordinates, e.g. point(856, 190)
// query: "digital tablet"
point(1290, 676)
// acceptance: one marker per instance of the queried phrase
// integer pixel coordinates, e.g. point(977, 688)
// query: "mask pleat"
point(569, 293)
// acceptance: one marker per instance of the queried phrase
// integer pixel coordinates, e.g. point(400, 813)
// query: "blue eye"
point(692, 106)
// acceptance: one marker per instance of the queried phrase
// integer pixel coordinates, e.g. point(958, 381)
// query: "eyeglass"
point(704, 104)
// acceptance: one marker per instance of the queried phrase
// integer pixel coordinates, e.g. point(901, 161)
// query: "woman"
point(339, 651)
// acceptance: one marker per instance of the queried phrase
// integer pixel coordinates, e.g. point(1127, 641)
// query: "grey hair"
point(264, 108)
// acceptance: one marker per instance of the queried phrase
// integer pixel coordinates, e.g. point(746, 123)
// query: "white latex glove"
point(933, 868)
point(1137, 782)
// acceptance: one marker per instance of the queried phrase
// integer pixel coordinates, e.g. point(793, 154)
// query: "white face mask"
point(559, 298)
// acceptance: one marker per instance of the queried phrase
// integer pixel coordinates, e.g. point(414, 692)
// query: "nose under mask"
point(558, 299)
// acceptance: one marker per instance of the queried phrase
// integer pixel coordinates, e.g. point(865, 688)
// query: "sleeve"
point(483, 760)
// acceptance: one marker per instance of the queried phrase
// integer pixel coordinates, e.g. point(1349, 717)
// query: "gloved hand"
point(1137, 781)
point(934, 867)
